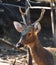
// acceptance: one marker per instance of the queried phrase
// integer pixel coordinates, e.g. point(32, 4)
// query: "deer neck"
point(35, 44)
point(38, 53)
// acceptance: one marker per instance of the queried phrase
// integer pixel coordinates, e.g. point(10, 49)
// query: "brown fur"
point(40, 55)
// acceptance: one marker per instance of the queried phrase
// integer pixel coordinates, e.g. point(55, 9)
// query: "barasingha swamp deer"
point(29, 37)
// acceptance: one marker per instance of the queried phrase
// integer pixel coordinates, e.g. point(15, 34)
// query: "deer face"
point(28, 33)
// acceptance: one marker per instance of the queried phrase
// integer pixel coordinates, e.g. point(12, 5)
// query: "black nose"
point(19, 45)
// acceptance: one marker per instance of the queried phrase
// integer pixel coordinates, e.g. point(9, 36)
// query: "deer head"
point(29, 32)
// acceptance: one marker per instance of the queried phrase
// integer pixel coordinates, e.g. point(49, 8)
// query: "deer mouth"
point(23, 42)
point(19, 45)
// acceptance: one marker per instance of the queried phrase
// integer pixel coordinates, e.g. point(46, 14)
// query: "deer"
point(29, 38)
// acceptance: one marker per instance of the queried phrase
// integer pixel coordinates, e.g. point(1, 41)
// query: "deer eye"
point(29, 34)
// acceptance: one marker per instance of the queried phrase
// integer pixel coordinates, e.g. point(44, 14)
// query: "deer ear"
point(37, 27)
point(18, 26)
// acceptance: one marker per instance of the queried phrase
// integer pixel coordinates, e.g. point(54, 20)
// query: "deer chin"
point(25, 43)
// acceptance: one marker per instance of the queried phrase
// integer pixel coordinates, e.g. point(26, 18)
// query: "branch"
point(9, 44)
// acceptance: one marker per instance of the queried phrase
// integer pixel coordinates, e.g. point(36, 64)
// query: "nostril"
point(19, 45)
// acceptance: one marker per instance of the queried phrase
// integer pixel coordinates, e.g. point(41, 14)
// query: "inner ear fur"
point(37, 27)
point(18, 26)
